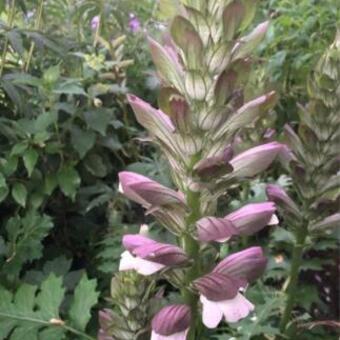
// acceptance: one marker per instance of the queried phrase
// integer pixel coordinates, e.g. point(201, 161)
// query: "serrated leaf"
point(30, 159)
point(84, 298)
point(19, 193)
point(26, 313)
point(24, 235)
point(69, 181)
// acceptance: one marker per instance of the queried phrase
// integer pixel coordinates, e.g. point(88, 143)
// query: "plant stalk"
point(293, 278)
point(5, 48)
point(191, 247)
point(37, 27)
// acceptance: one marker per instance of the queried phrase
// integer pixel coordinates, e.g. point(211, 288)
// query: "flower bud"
point(171, 323)
point(215, 229)
point(329, 222)
point(253, 217)
point(215, 166)
point(147, 192)
point(255, 160)
point(247, 264)
point(276, 194)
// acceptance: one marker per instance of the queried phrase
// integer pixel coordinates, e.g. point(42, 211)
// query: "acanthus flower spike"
point(171, 323)
point(147, 256)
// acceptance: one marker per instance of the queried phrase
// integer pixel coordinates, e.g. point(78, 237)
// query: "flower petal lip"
point(215, 229)
point(252, 217)
point(172, 319)
point(218, 287)
point(141, 266)
point(232, 310)
point(247, 264)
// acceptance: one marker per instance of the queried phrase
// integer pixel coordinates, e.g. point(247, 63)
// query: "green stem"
point(37, 27)
point(10, 25)
point(293, 278)
point(50, 323)
point(191, 247)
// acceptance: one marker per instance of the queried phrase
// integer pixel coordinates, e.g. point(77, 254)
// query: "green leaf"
point(19, 193)
point(19, 149)
point(70, 88)
point(82, 140)
point(24, 235)
point(98, 120)
point(51, 181)
point(52, 74)
point(33, 312)
point(69, 181)
point(84, 298)
point(3, 187)
point(26, 313)
point(30, 158)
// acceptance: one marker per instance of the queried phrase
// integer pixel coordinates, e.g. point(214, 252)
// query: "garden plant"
point(169, 170)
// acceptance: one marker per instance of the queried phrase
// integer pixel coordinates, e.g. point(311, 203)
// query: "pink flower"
point(247, 264)
point(134, 23)
point(147, 192)
point(171, 323)
point(244, 221)
point(221, 290)
point(95, 22)
point(255, 160)
point(221, 298)
point(253, 217)
point(147, 256)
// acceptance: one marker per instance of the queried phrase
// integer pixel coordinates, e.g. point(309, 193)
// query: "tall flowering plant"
point(203, 63)
point(312, 161)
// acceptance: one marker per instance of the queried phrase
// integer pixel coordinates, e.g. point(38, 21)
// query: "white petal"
point(176, 336)
point(236, 309)
point(222, 240)
point(211, 313)
point(127, 261)
point(143, 267)
point(274, 220)
point(120, 188)
point(146, 268)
